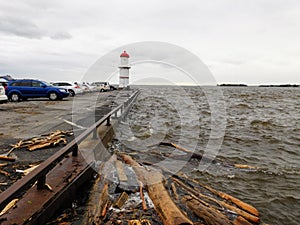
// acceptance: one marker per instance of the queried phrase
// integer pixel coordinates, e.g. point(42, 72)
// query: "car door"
point(38, 89)
point(66, 85)
point(25, 88)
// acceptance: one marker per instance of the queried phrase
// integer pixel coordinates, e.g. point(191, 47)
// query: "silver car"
point(73, 89)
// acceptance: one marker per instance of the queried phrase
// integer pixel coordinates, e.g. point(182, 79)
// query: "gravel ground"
point(32, 118)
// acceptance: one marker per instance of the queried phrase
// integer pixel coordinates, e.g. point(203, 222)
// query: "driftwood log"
point(99, 200)
point(7, 158)
point(245, 206)
point(209, 215)
point(241, 221)
point(223, 204)
point(167, 210)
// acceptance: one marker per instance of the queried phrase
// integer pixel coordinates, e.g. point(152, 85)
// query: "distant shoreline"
point(280, 85)
point(220, 85)
point(263, 85)
point(232, 85)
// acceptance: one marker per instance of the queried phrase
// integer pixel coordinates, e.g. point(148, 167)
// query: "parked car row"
point(22, 89)
point(79, 88)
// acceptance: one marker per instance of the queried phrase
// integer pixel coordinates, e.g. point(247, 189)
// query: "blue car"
point(17, 90)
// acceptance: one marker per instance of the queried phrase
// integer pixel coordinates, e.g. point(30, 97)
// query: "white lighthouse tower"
point(124, 71)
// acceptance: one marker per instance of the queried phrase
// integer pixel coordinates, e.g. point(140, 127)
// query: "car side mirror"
point(43, 86)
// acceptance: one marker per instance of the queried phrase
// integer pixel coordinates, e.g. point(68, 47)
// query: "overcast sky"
point(240, 41)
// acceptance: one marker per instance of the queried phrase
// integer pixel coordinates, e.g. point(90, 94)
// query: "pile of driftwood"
point(47, 140)
point(177, 201)
point(43, 141)
point(11, 172)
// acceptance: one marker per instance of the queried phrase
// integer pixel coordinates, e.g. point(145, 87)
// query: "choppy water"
point(262, 129)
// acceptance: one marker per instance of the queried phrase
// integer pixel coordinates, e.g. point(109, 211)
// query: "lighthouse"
point(124, 71)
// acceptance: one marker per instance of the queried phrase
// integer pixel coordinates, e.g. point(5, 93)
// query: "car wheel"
point(72, 93)
point(102, 90)
point(15, 97)
point(53, 96)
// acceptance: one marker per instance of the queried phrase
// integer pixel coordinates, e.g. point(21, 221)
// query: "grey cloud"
point(231, 35)
point(26, 28)
point(20, 27)
point(61, 36)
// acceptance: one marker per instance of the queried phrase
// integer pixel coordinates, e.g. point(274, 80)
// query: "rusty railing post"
point(41, 183)
point(75, 150)
point(108, 121)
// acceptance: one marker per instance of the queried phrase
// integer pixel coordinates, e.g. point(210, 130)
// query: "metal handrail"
point(39, 174)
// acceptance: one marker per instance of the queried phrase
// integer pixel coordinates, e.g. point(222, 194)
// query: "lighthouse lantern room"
point(124, 71)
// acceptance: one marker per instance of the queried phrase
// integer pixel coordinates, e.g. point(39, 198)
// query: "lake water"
point(239, 125)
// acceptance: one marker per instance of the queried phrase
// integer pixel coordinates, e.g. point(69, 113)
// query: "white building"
point(124, 71)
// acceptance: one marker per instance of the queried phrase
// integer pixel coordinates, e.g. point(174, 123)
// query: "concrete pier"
point(66, 170)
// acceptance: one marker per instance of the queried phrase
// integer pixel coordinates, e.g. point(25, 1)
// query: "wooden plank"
point(120, 169)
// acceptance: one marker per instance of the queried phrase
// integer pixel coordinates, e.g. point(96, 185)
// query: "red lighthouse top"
point(124, 54)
